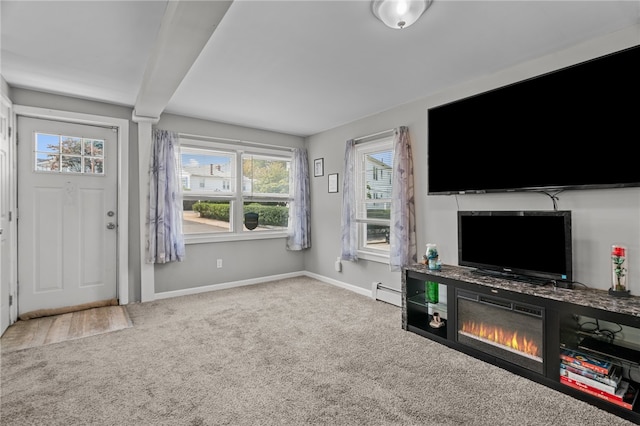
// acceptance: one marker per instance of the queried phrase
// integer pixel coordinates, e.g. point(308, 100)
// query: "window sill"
point(373, 257)
point(220, 238)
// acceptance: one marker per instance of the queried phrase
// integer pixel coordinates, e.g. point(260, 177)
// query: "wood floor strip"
point(38, 333)
point(58, 328)
point(118, 318)
point(77, 326)
point(59, 311)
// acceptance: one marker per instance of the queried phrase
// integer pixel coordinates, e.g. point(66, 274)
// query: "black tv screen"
point(569, 129)
point(527, 245)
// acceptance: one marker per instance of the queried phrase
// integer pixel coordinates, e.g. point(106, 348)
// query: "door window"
point(68, 154)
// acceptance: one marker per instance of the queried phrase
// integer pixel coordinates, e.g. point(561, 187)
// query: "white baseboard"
point(340, 284)
point(222, 286)
point(377, 293)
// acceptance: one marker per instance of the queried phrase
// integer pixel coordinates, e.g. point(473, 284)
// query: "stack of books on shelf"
point(595, 376)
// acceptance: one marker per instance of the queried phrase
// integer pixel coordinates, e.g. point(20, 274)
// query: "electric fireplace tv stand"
point(524, 328)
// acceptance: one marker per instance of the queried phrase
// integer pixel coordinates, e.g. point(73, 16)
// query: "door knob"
point(111, 225)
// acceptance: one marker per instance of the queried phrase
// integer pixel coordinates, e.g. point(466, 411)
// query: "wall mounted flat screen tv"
point(569, 129)
point(533, 246)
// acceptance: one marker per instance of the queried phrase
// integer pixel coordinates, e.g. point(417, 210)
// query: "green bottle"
point(431, 291)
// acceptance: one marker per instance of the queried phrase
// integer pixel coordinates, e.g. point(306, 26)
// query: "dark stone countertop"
point(593, 298)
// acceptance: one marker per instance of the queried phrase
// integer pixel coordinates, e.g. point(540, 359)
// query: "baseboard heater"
point(386, 294)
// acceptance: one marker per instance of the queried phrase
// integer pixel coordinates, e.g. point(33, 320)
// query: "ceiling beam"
point(184, 31)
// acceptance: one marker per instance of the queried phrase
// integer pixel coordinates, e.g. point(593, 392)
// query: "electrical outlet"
point(219, 264)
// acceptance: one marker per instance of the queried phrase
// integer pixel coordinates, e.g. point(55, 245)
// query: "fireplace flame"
point(503, 337)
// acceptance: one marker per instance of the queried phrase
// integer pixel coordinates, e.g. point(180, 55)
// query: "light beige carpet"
point(290, 352)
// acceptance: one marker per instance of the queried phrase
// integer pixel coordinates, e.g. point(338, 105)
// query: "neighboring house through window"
point(222, 182)
point(373, 169)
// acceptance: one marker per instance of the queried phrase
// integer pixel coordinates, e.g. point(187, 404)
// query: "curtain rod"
point(373, 135)
point(239, 141)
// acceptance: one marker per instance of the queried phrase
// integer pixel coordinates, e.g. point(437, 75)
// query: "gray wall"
point(63, 103)
point(600, 217)
point(241, 260)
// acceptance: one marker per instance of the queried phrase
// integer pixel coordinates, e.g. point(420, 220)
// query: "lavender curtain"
point(349, 225)
point(165, 241)
point(299, 233)
point(403, 248)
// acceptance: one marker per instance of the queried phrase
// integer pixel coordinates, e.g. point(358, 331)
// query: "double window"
point(232, 192)
point(373, 169)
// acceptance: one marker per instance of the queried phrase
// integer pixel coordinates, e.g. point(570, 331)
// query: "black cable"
point(609, 335)
point(554, 198)
point(629, 370)
point(582, 284)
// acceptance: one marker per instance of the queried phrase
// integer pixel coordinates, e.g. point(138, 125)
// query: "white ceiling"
point(297, 67)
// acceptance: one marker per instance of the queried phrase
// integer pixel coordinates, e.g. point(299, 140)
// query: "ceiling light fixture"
point(399, 14)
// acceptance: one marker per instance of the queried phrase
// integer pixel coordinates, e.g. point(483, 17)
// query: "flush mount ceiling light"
point(399, 14)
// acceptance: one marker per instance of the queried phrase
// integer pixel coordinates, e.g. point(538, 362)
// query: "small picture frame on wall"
point(318, 167)
point(333, 182)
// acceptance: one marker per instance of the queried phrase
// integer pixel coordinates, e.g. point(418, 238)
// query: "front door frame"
point(9, 289)
point(122, 125)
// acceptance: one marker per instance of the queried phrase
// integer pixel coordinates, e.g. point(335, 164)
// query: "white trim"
point(223, 286)
point(228, 236)
point(374, 136)
point(350, 287)
point(12, 244)
point(224, 142)
point(147, 270)
point(123, 178)
point(373, 257)
point(233, 284)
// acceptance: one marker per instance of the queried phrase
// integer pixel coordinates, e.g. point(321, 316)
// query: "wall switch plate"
point(219, 263)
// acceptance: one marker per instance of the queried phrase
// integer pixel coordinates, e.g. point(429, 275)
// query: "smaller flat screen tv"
point(532, 246)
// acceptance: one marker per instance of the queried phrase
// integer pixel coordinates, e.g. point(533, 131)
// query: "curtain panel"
point(349, 229)
point(403, 248)
point(165, 241)
point(299, 232)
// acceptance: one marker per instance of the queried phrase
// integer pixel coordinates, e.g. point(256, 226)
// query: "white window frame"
point(81, 156)
point(239, 197)
point(362, 149)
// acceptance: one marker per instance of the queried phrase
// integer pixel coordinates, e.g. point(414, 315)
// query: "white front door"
point(67, 211)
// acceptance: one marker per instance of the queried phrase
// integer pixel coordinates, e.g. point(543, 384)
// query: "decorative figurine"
point(433, 261)
point(436, 322)
point(619, 271)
